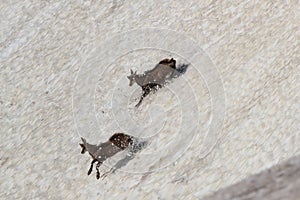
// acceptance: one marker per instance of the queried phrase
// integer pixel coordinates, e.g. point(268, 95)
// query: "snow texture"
point(64, 66)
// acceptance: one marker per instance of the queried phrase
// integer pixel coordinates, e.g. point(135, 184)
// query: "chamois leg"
point(139, 103)
point(146, 90)
point(91, 168)
point(97, 168)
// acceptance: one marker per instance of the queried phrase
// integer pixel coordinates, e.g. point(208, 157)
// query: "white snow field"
point(235, 111)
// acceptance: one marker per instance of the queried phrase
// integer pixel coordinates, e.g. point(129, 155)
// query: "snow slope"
point(63, 75)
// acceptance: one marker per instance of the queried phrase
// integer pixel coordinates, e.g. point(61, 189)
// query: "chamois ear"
point(83, 148)
point(83, 140)
point(135, 72)
point(131, 71)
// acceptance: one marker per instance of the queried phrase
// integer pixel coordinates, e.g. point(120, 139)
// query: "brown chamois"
point(155, 78)
point(116, 143)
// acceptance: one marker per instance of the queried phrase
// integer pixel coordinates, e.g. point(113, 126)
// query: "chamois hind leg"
point(91, 168)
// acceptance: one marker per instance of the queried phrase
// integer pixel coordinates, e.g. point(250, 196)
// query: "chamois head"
point(131, 77)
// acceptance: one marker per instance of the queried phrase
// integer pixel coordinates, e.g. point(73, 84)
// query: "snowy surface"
point(47, 102)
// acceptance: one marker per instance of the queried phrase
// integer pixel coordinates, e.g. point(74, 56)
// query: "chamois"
point(116, 143)
point(155, 78)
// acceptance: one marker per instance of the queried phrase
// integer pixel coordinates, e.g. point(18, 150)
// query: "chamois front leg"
point(146, 90)
point(141, 99)
point(91, 168)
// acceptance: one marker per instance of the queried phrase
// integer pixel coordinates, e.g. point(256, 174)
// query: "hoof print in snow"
point(157, 77)
point(116, 143)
